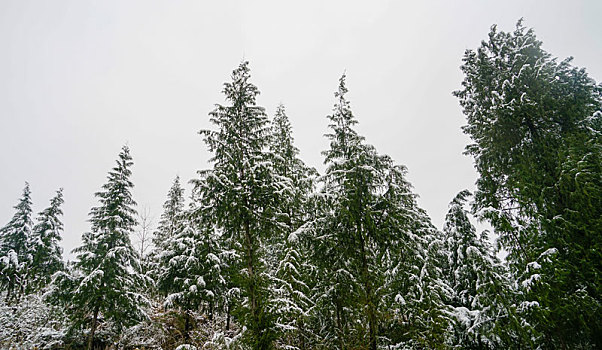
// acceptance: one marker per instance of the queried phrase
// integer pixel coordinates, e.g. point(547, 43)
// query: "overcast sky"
point(79, 79)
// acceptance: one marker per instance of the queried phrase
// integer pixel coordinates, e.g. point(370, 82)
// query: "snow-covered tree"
point(291, 271)
point(172, 211)
point(47, 254)
point(31, 324)
point(535, 129)
point(15, 256)
point(106, 273)
point(188, 266)
point(369, 226)
point(239, 195)
point(169, 225)
point(180, 277)
point(479, 287)
point(412, 289)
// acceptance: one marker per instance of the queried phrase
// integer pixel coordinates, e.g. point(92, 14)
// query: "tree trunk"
point(365, 273)
point(339, 322)
point(186, 326)
point(250, 253)
point(93, 330)
point(9, 290)
point(228, 316)
point(370, 309)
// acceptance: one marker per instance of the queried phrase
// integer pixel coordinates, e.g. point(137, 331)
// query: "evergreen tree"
point(238, 193)
point(478, 283)
point(188, 269)
point(371, 224)
point(291, 270)
point(172, 211)
point(413, 289)
point(47, 253)
point(106, 276)
point(535, 127)
point(15, 256)
point(169, 225)
point(180, 278)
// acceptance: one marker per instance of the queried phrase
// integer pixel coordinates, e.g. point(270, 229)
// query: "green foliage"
point(270, 255)
point(47, 255)
point(535, 123)
point(480, 295)
point(104, 284)
point(15, 256)
point(372, 247)
point(291, 272)
point(239, 195)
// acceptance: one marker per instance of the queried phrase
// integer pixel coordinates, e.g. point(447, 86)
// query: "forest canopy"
point(268, 253)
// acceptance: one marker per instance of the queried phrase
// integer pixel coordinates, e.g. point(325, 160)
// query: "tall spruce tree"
point(535, 127)
point(15, 256)
point(238, 193)
point(106, 276)
point(47, 254)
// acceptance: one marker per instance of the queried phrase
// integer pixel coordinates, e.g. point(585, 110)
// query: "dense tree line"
point(270, 254)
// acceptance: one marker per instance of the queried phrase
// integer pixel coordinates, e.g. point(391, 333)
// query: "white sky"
point(78, 79)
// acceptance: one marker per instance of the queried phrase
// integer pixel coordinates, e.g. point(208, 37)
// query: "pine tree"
point(238, 193)
point(15, 256)
point(106, 275)
point(535, 127)
point(47, 253)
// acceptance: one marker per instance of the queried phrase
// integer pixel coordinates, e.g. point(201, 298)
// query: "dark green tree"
point(239, 194)
point(290, 269)
point(371, 243)
point(535, 127)
point(106, 277)
point(170, 223)
point(480, 298)
point(172, 211)
point(187, 266)
point(15, 256)
point(47, 254)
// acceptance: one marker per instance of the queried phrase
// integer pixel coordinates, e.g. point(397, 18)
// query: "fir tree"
point(15, 256)
point(535, 127)
point(106, 276)
point(238, 193)
point(47, 253)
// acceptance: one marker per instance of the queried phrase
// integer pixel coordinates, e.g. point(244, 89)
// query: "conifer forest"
point(262, 251)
